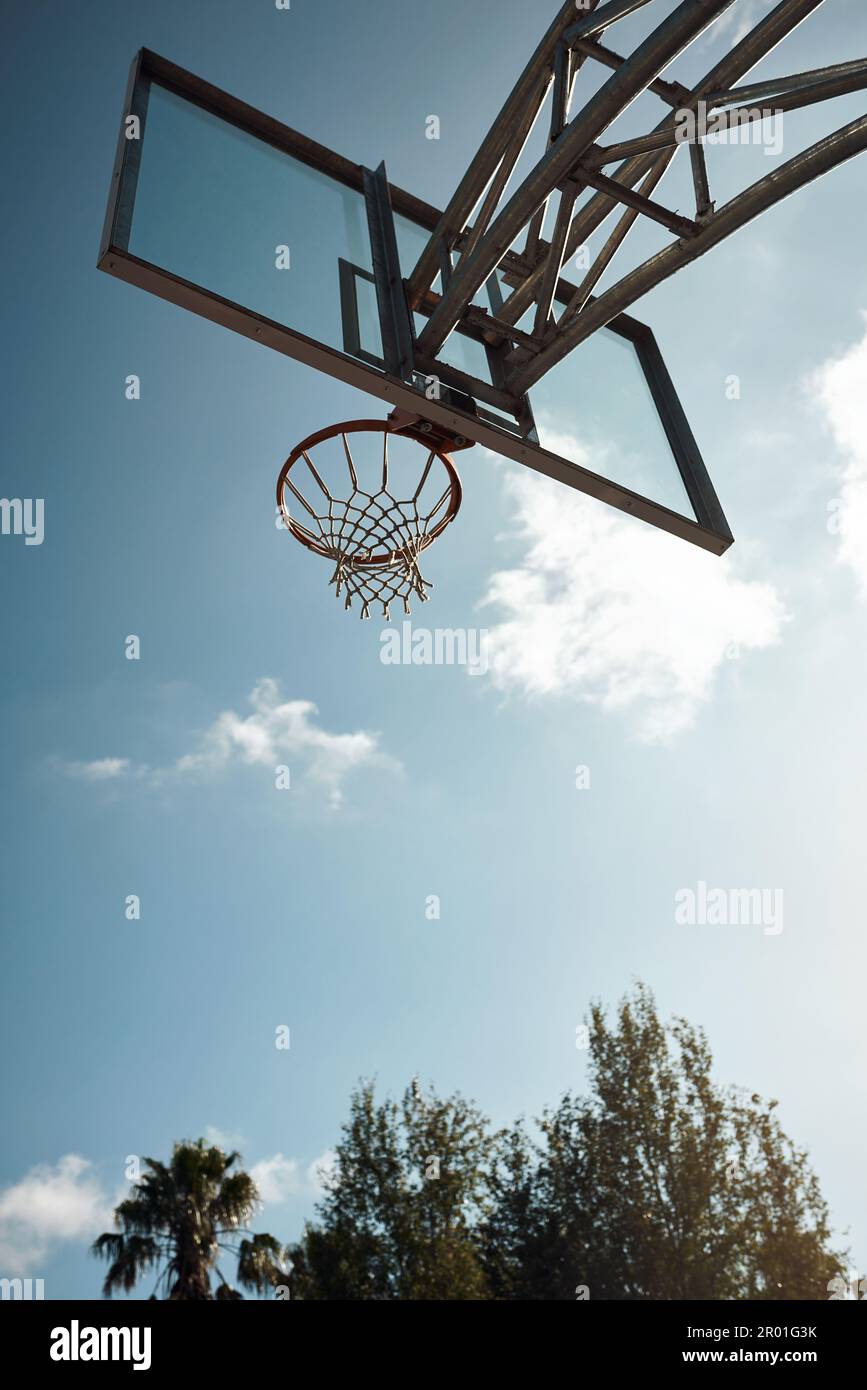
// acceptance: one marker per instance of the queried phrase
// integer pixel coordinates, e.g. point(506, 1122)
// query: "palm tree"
point(179, 1218)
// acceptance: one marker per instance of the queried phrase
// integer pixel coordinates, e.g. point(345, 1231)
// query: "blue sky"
point(717, 704)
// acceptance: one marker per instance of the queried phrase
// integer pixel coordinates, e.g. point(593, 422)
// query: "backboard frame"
point(709, 531)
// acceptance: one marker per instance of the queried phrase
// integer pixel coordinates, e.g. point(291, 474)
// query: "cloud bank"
point(100, 770)
point(277, 732)
point(840, 385)
point(280, 1178)
point(616, 614)
point(50, 1205)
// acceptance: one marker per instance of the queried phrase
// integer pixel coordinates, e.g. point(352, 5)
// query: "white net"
point(373, 537)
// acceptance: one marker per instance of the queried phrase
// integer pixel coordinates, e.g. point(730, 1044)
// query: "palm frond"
point(260, 1262)
point(131, 1257)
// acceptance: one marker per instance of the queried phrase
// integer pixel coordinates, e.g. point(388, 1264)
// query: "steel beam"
point(502, 176)
point(612, 245)
point(609, 14)
point(793, 100)
point(755, 46)
point(561, 95)
point(672, 92)
point(681, 226)
point(530, 88)
point(775, 86)
point(565, 72)
point(554, 262)
point(703, 204)
point(690, 19)
point(796, 173)
point(394, 320)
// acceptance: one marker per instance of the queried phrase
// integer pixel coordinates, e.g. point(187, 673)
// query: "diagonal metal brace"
point(394, 320)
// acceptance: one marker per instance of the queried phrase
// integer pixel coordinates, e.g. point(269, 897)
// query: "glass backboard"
point(231, 214)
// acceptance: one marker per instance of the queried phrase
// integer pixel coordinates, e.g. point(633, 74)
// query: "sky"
point(650, 717)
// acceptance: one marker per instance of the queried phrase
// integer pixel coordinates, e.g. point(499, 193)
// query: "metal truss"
point(476, 233)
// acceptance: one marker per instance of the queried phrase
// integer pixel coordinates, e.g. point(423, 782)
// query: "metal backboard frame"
point(457, 410)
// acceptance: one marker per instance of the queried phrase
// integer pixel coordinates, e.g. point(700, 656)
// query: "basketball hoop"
point(373, 538)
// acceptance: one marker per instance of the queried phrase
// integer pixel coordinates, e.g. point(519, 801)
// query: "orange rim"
point(387, 557)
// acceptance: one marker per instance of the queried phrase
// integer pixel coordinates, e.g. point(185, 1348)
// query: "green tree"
point(180, 1218)
point(659, 1185)
point(400, 1216)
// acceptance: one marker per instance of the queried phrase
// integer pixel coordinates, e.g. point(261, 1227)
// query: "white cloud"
point(321, 1172)
point(282, 729)
point(101, 770)
point(841, 387)
point(66, 1201)
point(280, 1178)
point(616, 613)
point(224, 1139)
point(48, 1206)
point(742, 17)
point(277, 1178)
point(276, 732)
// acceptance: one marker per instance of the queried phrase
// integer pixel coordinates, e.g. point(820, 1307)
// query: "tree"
point(398, 1220)
point(659, 1185)
point(179, 1219)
